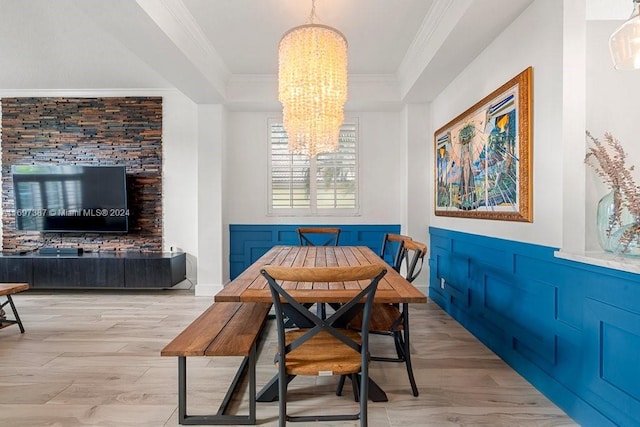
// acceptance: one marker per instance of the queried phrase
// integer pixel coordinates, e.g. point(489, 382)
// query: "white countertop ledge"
point(603, 259)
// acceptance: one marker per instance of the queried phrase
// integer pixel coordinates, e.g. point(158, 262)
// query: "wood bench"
point(224, 329)
point(7, 289)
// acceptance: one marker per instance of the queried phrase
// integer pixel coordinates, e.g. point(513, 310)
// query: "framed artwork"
point(483, 165)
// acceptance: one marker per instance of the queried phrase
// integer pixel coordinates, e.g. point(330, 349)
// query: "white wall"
point(608, 9)
point(212, 256)
point(533, 39)
point(612, 100)
point(418, 199)
point(180, 179)
point(379, 170)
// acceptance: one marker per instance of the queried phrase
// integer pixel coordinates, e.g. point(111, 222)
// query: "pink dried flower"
point(608, 160)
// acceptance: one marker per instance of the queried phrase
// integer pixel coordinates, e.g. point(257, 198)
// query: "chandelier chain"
point(313, 12)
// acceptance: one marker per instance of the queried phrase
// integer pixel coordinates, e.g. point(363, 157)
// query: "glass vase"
point(611, 216)
point(626, 240)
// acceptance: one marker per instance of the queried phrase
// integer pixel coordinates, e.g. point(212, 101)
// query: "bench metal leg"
point(221, 417)
point(15, 314)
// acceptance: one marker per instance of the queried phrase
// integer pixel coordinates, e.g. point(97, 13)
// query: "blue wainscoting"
point(571, 329)
point(248, 242)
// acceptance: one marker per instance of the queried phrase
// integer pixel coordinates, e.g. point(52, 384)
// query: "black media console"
point(95, 270)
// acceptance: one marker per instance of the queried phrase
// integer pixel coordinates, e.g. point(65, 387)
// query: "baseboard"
point(207, 290)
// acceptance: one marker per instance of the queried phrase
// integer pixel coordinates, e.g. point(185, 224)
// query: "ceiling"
point(225, 51)
point(245, 33)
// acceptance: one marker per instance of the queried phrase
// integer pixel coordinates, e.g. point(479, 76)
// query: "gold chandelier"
point(312, 86)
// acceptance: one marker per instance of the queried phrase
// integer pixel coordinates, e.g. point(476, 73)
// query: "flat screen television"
point(70, 198)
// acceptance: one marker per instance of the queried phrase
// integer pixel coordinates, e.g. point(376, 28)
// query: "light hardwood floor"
point(92, 358)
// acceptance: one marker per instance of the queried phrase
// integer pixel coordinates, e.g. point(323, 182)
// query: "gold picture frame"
point(483, 157)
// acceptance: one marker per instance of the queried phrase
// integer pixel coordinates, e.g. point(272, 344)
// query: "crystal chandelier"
point(312, 86)
point(624, 43)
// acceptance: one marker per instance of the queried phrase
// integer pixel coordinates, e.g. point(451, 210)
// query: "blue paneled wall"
point(248, 242)
point(571, 329)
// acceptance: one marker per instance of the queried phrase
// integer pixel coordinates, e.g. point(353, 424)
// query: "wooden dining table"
point(251, 286)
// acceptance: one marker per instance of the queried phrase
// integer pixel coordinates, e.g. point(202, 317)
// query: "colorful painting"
point(483, 157)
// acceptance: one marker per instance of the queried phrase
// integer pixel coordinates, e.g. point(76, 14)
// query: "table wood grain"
point(251, 286)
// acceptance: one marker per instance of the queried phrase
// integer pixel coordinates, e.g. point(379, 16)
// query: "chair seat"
point(384, 319)
point(323, 353)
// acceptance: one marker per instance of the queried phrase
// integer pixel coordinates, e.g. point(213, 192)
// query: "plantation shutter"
point(333, 189)
point(289, 173)
point(336, 173)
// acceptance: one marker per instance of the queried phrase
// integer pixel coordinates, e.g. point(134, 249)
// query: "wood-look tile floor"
point(92, 358)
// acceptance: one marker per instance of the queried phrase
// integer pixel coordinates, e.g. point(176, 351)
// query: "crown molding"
point(250, 79)
point(366, 92)
point(248, 92)
point(86, 93)
point(178, 24)
point(440, 20)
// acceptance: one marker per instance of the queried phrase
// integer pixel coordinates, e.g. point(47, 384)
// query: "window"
point(324, 185)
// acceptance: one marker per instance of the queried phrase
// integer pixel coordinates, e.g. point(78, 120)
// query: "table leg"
point(269, 392)
point(376, 393)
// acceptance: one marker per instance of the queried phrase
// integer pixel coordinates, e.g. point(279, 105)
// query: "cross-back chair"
point(391, 248)
point(393, 319)
point(325, 347)
point(318, 236)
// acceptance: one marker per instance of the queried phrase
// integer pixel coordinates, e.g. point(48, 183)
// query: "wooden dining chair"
point(324, 348)
point(391, 249)
point(393, 319)
point(318, 236)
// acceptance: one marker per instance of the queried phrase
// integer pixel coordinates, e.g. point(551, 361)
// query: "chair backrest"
point(327, 236)
point(392, 245)
point(413, 252)
point(284, 303)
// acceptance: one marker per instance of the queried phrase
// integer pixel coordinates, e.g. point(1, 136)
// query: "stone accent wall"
point(87, 131)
